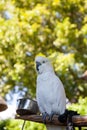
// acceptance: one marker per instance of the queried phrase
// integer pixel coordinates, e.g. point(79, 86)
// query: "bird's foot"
point(51, 116)
point(44, 115)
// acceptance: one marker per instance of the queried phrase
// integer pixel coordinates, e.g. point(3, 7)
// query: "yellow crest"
point(40, 54)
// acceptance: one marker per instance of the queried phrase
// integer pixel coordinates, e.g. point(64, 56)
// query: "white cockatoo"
point(50, 92)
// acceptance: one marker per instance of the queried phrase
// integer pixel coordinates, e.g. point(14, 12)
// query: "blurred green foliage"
point(17, 125)
point(56, 28)
point(80, 107)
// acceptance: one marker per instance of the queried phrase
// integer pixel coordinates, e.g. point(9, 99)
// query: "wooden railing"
point(77, 120)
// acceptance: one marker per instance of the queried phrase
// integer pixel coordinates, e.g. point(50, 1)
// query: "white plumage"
point(50, 92)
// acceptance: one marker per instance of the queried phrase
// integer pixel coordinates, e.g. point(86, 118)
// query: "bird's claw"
point(44, 115)
point(51, 117)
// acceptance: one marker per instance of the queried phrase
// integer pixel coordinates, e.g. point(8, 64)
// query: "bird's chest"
point(45, 90)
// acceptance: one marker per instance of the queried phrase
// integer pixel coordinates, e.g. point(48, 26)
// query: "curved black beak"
point(37, 65)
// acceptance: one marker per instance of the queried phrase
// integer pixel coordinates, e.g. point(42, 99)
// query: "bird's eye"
point(43, 61)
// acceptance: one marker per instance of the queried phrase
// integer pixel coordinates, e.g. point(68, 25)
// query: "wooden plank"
point(77, 120)
point(80, 120)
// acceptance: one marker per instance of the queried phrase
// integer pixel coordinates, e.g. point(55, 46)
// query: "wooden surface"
point(80, 120)
point(77, 120)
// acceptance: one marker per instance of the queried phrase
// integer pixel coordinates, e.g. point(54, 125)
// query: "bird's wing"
point(57, 97)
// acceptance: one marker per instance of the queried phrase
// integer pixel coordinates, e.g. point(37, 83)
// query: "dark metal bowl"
point(27, 106)
point(3, 105)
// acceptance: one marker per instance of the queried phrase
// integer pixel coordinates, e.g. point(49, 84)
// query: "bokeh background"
point(55, 28)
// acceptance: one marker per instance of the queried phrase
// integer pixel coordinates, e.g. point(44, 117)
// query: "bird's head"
point(43, 64)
